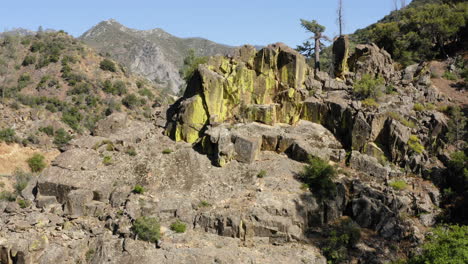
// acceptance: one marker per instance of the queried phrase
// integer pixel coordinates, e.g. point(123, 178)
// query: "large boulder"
point(340, 56)
point(267, 86)
point(370, 59)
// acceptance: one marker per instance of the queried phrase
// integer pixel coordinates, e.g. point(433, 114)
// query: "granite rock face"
point(267, 86)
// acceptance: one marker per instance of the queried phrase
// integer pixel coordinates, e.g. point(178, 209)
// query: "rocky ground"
point(237, 188)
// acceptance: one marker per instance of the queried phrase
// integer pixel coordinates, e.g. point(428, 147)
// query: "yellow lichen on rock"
point(264, 86)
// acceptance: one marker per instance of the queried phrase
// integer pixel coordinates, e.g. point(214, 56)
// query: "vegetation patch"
point(319, 175)
point(445, 244)
point(418, 107)
point(401, 119)
point(37, 163)
point(61, 137)
point(369, 87)
point(178, 226)
point(8, 135)
point(167, 151)
point(204, 204)
point(138, 189)
point(147, 229)
point(370, 103)
point(398, 185)
point(340, 237)
point(108, 65)
point(415, 144)
point(107, 160)
point(261, 174)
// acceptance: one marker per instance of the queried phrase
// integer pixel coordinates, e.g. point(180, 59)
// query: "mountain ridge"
point(154, 53)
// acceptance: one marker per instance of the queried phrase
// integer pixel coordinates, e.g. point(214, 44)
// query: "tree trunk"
point(317, 52)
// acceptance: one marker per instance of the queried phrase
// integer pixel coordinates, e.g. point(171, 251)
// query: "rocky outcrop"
point(267, 86)
point(370, 59)
point(244, 142)
point(340, 56)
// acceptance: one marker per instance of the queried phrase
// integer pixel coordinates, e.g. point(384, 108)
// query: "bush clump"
point(415, 144)
point(147, 229)
point(418, 107)
point(450, 76)
point(37, 163)
point(319, 175)
point(29, 60)
point(341, 237)
point(8, 135)
point(167, 151)
point(48, 130)
point(370, 102)
point(446, 244)
point(138, 189)
point(131, 101)
point(108, 65)
point(178, 226)
point(368, 86)
point(261, 174)
point(61, 137)
point(398, 185)
point(107, 160)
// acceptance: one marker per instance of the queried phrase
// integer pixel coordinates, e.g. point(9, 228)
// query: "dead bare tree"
point(402, 3)
point(339, 11)
point(395, 4)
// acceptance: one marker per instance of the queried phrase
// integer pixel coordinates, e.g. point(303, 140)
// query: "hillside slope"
point(53, 76)
point(155, 54)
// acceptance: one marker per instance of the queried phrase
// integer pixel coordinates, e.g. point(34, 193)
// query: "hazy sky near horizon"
point(237, 22)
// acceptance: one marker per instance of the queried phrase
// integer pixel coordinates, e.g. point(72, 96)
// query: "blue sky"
point(234, 22)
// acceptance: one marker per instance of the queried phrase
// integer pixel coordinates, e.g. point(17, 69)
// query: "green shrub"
point(138, 189)
point(120, 88)
point(368, 86)
point(147, 229)
point(418, 107)
point(116, 88)
point(36, 163)
point(23, 203)
point(178, 226)
point(415, 144)
point(29, 60)
point(131, 101)
point(370, 102)
point(204, 204)
point(146, 92)
point(167, 151)
point(140, 84)
point(191, 63)
point(62, 137)
point(80, 88)
point(401, 119)
point(446, 244)
point(7, 135)
point(72, 117)
point(339, 238)
point(450, 76)
point(7, 196)
point(319, 175)
point(262, 174)
point(131, 151)
point(24, 80)
point(398, 185)
point(108, 65)
point(107, 160)
point(48, 130)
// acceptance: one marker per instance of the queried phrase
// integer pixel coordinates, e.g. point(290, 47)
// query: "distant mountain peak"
point(153, 53)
